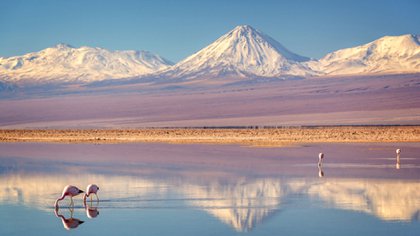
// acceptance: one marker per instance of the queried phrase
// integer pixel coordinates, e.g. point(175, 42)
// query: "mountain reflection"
point(388, 200)
point(241, 203)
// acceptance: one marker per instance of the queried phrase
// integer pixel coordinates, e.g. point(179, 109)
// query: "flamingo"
point(398, 165)
point(71, 191)
point(91, 189)
point(321, 156)
point(68, 223)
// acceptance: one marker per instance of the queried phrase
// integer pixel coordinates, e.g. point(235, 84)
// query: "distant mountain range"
point(387, 55)
point(244, 52)
point(85, 64)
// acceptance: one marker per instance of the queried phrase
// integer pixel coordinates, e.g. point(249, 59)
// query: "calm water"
point(162, 189)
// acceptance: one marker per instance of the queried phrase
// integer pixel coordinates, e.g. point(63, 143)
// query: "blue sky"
point(176, 29)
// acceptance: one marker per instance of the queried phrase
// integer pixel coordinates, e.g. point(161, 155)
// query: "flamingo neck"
point(59, 199)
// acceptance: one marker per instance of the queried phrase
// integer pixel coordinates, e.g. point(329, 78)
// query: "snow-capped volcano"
point(66, 63)
point(389, 54)
point(242, 51)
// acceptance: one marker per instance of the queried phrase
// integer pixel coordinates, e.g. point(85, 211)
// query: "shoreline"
point(269, 137)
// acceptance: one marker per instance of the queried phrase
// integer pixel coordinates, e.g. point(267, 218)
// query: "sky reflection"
point(232, 196)
point(242, 204)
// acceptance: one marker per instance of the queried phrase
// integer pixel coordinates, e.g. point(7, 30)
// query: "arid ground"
point(253, 137)
point(378, 100)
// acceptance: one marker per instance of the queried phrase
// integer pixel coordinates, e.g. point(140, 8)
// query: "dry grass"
point(253, 137)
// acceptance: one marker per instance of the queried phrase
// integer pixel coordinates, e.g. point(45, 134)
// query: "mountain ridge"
point(243, 52)
point(388, 54)
point(65, 63)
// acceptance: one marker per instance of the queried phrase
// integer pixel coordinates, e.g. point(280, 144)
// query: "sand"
point(253, 137)
point(379, 100)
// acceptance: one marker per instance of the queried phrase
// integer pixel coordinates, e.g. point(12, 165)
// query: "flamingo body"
point(320, 156)
point(70, 191)
point(91, 189)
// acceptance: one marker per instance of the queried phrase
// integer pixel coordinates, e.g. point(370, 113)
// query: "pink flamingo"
point(91, 189)
point(320, 157)
point(71, 191)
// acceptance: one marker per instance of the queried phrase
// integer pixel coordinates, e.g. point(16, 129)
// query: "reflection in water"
point(320, 171)
point(398, 165)
point(91, 211)
point(41, 190)
point(68, 223)
point(241, 203)
point(388, 200)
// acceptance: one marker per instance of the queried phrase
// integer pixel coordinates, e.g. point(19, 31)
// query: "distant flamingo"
point(68, 223)
point(398, 165)
point(91, 189)
point(71, 191)
point(320, 156)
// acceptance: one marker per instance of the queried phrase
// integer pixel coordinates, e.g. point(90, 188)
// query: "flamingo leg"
point(97, 198)
point(90, 197)
point(71, 202)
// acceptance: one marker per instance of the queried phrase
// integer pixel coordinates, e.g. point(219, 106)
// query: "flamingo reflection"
point(68, 223)
point(91, 211)
point(320, 171)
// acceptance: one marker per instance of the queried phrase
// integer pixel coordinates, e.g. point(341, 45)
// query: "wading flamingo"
point(71, 191)
point(320, 156)
point(398, 165)
point(91, 189)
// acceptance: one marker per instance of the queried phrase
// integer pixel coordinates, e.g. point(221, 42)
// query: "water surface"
point(163, 189)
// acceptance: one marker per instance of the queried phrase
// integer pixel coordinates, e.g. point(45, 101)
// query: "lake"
point(169, 189)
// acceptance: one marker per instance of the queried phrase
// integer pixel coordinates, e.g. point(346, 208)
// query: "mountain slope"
point(243, 51)
point(65, 63)
point(389, 54)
